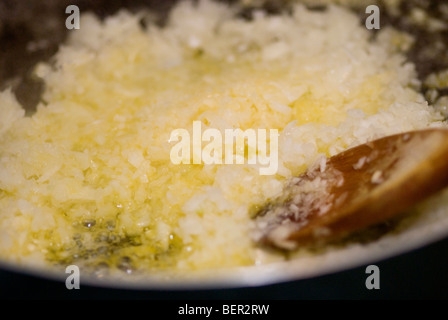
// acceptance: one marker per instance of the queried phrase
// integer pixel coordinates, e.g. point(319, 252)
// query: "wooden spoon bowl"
point(358, 188)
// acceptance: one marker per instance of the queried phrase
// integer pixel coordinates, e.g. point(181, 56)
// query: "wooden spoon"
point(357, 188)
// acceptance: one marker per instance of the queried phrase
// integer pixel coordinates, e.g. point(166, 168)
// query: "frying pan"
point(31, 31)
